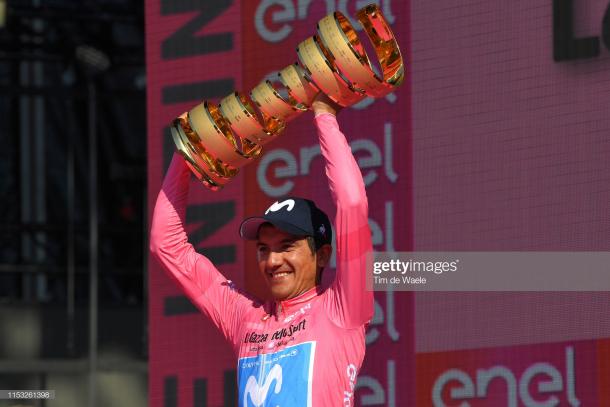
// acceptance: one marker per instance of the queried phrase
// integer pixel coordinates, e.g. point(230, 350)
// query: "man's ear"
point(323, 255)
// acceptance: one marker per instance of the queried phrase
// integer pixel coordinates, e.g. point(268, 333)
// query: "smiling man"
point(305, 345)
point(293, 245)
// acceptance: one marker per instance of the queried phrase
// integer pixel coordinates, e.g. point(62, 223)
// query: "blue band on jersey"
point(281, 379)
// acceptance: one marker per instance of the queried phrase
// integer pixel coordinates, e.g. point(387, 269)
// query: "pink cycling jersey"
point(305, 351)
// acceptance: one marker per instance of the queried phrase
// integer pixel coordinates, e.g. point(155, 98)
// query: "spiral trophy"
point(217, 140)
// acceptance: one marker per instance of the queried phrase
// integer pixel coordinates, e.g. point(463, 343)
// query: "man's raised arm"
point(205, 286)
point(351, 305)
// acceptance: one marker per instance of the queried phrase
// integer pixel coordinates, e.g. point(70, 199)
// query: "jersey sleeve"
point(350, 304)
point(202, 283)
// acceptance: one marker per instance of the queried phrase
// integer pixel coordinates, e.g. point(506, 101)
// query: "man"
point(303, 347)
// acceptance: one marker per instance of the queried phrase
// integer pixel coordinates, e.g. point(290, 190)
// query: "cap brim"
point(249, 227)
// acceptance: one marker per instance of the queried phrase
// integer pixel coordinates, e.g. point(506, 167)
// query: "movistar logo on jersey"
point(280, 379)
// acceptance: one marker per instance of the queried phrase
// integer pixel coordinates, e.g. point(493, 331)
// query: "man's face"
point(286, 262)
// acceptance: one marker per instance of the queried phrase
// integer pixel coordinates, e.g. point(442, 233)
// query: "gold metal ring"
point(320, 67)
point(299, 87)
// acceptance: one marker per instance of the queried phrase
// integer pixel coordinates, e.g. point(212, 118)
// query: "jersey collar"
point(283, 306)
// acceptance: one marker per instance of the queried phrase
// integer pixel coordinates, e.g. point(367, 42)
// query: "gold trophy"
point(217, 140)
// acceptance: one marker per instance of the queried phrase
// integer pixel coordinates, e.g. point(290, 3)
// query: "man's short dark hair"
point(311, 242)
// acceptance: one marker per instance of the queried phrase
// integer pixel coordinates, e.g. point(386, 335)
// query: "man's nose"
point(275, 259)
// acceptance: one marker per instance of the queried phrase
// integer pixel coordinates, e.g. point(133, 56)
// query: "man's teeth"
point(280, 274)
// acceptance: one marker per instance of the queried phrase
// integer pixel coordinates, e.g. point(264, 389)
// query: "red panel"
point(603, 382)
point(502, 376)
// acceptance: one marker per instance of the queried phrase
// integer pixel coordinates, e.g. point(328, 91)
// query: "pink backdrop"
point(490, 145)
point(510, 153)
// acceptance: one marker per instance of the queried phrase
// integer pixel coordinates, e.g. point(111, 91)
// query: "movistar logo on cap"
point(289, 203)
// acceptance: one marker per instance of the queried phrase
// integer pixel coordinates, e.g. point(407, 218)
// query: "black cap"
point(297, 216)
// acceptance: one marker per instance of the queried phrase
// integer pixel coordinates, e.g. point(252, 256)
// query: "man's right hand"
point(323, 104)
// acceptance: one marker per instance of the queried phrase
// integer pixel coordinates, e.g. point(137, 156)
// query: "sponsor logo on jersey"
point(255, 337)
point(279, 379)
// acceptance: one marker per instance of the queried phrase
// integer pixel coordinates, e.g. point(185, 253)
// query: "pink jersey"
point(305, 351)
